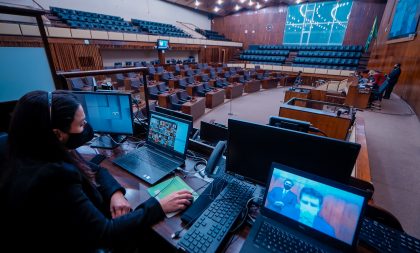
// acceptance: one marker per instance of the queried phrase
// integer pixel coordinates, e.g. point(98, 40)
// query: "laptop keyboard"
point(385, 239)
point(208, 231)
point(140, 157)
point(275, 239)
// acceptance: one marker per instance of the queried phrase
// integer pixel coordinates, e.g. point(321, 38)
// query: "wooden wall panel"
point(384, 55)
point(234, 26)
point(68, 56)
point(361, 20)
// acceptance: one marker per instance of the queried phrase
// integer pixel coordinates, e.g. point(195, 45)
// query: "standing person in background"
point(392, 79)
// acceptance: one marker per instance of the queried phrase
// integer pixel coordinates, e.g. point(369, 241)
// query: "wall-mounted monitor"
point(406, 18)
point(162, 44)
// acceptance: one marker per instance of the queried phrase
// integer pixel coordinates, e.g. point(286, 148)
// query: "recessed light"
point(219, 2)
point(216, 9)
point(237, 7)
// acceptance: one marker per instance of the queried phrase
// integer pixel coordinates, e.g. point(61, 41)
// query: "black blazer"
point(53, 207)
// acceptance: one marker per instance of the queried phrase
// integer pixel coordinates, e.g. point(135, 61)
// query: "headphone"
point(50, 104)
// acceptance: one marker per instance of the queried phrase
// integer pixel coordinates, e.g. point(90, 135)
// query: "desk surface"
point(137, 192)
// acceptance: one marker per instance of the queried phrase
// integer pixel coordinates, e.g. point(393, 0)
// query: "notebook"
point(163, 152)
point(301, 211)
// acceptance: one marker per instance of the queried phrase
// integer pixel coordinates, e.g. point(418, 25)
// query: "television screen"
point(405, 19)
point(163, 44)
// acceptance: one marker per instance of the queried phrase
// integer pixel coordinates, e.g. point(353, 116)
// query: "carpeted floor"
point(393, 139)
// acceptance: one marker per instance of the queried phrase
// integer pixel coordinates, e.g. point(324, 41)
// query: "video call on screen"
point(108, 113)
point(168, 133)
point(327, 209)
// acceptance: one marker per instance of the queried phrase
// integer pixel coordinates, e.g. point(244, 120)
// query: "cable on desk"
point(164, 188)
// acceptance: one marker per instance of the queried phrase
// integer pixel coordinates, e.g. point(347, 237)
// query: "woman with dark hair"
point(51, 196)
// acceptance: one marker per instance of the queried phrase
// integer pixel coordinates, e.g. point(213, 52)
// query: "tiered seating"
point(159, 28)
point(90, 20)
point(330, 57)
point(211, 35)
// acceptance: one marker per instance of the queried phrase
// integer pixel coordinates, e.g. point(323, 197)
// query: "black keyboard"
point(385, 239)
point(97, 159)
point(275, 239)
point(209, 230)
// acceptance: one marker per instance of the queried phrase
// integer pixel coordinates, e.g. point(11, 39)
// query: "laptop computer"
point(163, 152)
point(301, 210)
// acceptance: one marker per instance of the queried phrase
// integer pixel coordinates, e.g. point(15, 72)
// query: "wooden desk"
point(195, 108)
point(328, 122)
point(234, 90)
point(269, 83)
point(301, 93)
point(357, 97)
point(215, 98)
point(252, 86)
point(163, 99)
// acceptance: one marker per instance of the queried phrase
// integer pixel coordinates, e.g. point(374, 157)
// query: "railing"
point(192, 31)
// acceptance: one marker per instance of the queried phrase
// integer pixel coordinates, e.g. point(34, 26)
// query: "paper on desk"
point(169, 186)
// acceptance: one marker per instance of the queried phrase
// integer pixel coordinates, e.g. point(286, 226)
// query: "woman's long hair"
point(30, 134)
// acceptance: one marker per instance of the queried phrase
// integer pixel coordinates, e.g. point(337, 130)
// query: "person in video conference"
point(283, 197)
point(310, 204)
point(51, 196)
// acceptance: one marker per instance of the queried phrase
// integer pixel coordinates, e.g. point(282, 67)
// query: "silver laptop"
point(302, 212)
point(164, 151)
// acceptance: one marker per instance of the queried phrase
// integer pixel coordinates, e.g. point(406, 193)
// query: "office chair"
point(377, 94)
point(175, 103)
point(207, 87)
point(182, 83)
point(200, 90)
point(153, 92)
point(183, 96)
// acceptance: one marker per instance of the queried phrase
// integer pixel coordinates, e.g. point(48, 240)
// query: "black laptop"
point(164, 151)
point(302, 212)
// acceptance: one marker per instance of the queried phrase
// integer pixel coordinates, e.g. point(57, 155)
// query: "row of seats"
point(262, 58)
point(57, 10)
point(211, 35)
point(327, 61)
point(325, 66)
point(159, 28)
point(88, 20)
point(353, 48)
point(330, 54)
point(267, 52)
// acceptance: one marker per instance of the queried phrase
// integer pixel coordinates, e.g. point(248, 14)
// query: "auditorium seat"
point(175, 103)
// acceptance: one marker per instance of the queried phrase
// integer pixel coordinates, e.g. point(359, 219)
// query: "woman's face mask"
point(76, 140)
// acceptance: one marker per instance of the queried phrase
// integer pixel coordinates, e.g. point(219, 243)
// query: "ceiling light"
point(250, 3)
point(197, 3)
point(242, 1)
point(216, 9)
point(237, 7)
point(258, 6)
point(219, 2)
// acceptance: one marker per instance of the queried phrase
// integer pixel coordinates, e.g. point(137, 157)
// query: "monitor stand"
point(110, 141)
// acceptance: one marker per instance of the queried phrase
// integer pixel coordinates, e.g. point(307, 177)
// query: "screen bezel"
point(111, 93)
point(177, 114)
point(162, 48)
point(213, 128)
point(302, 227)
point(171, 151)
point(295, 159)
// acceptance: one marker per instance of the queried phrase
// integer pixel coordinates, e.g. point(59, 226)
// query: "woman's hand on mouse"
point(176, 201)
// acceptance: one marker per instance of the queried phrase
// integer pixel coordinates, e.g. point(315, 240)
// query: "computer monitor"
point(174, 113)
point(162, 44)
point(292, 124)
point(212, 133)
point(108, 113)
point(253, 147)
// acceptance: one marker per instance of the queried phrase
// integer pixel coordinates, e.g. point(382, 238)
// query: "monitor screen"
point(107, 112)
point(19, 75)
point(162, 44)
point(174, 113)
point(329, 208)
point(168, 132)
point(212, 132)
point(253, 147)
point(292, 124)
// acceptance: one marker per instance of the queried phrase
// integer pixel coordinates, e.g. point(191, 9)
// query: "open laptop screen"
point(168, 132)
point(333, 211)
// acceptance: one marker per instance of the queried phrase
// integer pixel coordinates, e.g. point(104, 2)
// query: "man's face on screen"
point(309, 206)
